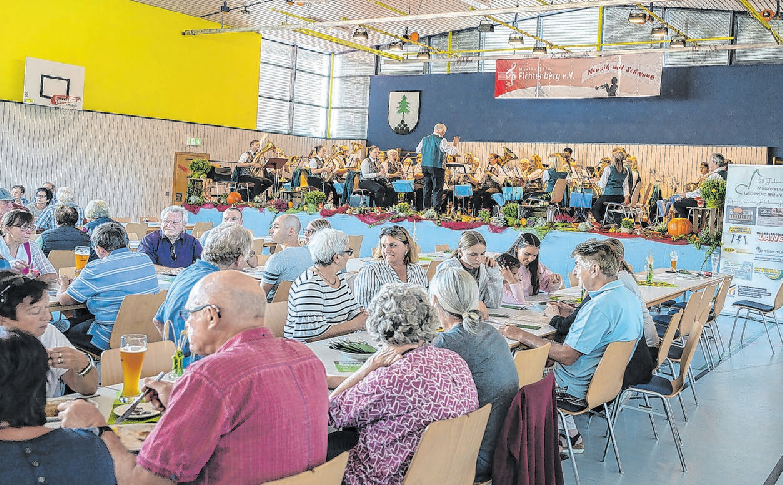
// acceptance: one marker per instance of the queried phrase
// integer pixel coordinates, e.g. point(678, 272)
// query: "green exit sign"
point(194, 142)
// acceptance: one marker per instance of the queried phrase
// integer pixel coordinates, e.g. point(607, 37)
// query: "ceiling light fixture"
point(485, 26)
point(638, 18)
point(396, 47)
point(539, 50)
point(423, 55)
point(677, 43)
point(516, 40)
point(659, 32)
point(360, 34)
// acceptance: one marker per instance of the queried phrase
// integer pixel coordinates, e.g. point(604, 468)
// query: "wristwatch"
point(90, 366)
point(100, 430)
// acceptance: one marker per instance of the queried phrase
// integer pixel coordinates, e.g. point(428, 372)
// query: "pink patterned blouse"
point(392, 406)
point(517, 292)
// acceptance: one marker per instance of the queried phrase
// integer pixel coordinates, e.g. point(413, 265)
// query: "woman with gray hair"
point(398, 391)
point(454, 295)
point(320, 303)
point(65, 196)
point(97, 212)
point(471, 255)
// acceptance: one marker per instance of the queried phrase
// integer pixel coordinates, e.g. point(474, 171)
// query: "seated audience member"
point(17, 192)
point(470, 255)
point(65, 196)
point(532, 276)
point(254, 410)
point(454, 295)
point(15, 246)
point(234, 216)
point(171, 246)
point(24, 305)
point(29, 451)
point(51, 187)
point(399, 256)
point(611, 315)
point(320, 303)
point(718, 170)
point(397, 392)
point(6, 201)
point(226, 248)
point(314, 226)
point(42, 198)
point(104, 283)
point(286, 264)
point(97, 213)
point(64, 236)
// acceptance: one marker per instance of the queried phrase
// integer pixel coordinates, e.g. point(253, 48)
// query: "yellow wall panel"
point(136, 60)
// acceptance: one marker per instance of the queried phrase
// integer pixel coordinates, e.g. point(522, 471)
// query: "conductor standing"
point(434, 148)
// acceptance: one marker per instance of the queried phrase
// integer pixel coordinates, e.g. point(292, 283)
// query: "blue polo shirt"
point(104, 283)
point(177, 297)
point(186, 251)
point(613, 314)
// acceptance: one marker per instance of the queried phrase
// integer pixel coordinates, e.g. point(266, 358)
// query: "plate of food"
point(144, 410)
point(132, 436)
point(353, 349)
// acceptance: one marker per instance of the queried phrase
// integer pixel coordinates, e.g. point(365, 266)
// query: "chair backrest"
point(448, 450)
point(530, 364)
point(703, 314)
point(778, 303)
point(608, 377)
point(281, 294)
point(150, 219)
point(132, 236)
point(720, 300)
point(691, 312)
point(275, 316)
point(61, 258)
point(441, 247)
point(200, 228)
point(668, 338)
point(262, 258)
point(70, 272)
point(687, 356)
point(635, 195)
point(558, 192)
point(122, 220)
point(138, 228)
point(432, 269)
point(258, 246)
point(355, 242)
point(330, 473)
point(135, 316)
point(645, 198)
point(157, 359)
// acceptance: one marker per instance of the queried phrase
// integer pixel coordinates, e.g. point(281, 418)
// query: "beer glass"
point(132, 349)
point(81, 255)
point(674, 256)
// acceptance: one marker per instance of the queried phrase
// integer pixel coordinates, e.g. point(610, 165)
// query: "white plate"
point(132, 436)
point(143, 411)
point(358, 357)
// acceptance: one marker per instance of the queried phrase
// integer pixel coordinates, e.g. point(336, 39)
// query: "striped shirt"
point(374, 275)
point(286, 265)
point(104, 283)
point(314, 306)
point(46, 219)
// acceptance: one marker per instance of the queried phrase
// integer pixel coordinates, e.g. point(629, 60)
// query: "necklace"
point(330, 283)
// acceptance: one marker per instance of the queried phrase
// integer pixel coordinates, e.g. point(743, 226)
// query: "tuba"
point(258, 170)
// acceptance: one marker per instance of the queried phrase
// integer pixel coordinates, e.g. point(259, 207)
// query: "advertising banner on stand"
point(629, 75)
point(753, 232)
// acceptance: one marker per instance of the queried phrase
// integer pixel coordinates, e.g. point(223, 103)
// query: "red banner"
point(632, 75)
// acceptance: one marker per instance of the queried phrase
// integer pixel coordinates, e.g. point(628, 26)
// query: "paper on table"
point(346, 366)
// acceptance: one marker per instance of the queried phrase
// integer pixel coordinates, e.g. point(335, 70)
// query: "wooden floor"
point(734, 436)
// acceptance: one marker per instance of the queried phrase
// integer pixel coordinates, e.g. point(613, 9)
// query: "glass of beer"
point(674, 256)
point(132, 349)
point(81, 255)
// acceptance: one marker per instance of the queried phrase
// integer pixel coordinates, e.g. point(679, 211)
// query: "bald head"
point(240, 302)
point(285, 230)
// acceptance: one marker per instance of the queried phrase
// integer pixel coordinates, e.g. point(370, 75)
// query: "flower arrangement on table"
point(713, 191)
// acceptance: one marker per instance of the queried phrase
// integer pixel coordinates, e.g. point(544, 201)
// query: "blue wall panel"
point(710, 105)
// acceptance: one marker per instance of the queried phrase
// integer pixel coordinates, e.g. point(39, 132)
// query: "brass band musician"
point(250, 169)
point(490, 180)
point(320, 174)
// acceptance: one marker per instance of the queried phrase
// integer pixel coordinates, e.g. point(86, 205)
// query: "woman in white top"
point(399, 264)
point(24, 305)
point(373, 178)
point(15, 246)
point(471, 255)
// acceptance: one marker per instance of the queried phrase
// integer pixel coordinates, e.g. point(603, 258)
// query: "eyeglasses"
point(26, 227)
point(398, 232)
point(185, 313)
point(348, 251)
point(309, 232)
point(169, 222)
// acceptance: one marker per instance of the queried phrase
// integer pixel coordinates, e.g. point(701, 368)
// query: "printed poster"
point(630, 75)
point(753, 232)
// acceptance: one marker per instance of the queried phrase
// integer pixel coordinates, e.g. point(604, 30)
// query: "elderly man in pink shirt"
point(253, 410)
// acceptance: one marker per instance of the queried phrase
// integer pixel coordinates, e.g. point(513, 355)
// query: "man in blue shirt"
point(227, 247)
point(286, 264)
point(171, 247)
point(433, 148)
point(104, 283)
point(613, 314)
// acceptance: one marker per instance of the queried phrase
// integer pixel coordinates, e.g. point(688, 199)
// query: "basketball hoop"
point(67, 105)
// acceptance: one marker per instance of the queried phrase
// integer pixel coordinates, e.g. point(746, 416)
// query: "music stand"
point(276, 164)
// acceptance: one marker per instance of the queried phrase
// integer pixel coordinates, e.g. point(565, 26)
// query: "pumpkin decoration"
point(233, 198)
point(679, 227)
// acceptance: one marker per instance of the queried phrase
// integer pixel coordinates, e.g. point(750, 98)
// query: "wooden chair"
point(61, 258)
point(448, 450)
point(150, 219)
point(530, 364)
point(665, 389)
point(432, 269)
point(275, 316)
point(138, 228)
point(135, 316)
point(157, 359)
point(330, 473)
point(70, 272)
point(258, 246)
point(442, 248)
point(200, 228)
point(711, 332)
point(604, 387)
point(122, 220)
point(132, 236)
point(355, 242)
point(281, 294)
point(762, 311)
point(262, 259)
